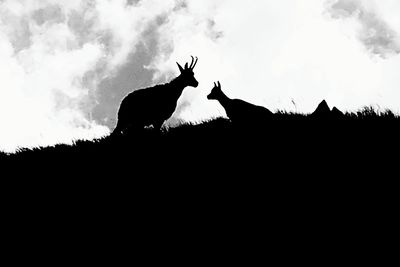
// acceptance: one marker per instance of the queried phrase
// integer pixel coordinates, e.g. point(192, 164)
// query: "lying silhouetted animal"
point(239, 111)
point(153, 106)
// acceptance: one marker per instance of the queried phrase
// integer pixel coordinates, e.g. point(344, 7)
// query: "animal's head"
point(216, 92)
point(187, 73)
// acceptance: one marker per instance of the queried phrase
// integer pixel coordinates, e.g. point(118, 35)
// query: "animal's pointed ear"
point(186, 66)
point(219, 85)
point(180, 67)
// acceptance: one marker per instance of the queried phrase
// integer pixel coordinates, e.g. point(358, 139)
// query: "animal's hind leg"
point(118, 129)
point(157, 125)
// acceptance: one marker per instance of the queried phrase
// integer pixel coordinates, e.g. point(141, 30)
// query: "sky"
point(65, 66)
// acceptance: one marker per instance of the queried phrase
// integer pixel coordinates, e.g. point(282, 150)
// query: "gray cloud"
point(132, 75)
point(212, 30)
point(181, 4)
point(48, 14)
point(138, 71)
point(132, 2)
point(375, 33)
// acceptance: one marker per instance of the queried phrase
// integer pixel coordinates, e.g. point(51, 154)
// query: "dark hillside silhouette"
point(239, 111)
point(298, 173)
point(153, 106)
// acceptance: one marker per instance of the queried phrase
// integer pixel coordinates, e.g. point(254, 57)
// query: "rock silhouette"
point(336, 113)
point(324, 112)
point(153, 106)
point(239, 111)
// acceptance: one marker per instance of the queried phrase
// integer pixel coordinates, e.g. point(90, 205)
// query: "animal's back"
point(243, 112)
point(146, 107)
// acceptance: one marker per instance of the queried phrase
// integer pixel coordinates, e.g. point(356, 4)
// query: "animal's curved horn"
point(195, 63)
point(191, 64)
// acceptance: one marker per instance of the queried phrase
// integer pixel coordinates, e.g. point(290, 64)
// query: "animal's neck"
point(178, 85)
point(224, 100)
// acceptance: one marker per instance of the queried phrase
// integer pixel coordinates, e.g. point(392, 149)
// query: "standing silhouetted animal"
point(153, 106)
point(239, 111)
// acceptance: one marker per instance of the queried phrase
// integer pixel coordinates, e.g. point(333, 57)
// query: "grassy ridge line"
point(219, 128)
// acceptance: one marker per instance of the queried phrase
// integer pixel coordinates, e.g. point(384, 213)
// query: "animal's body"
point(239, 111)
point(153, 106)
